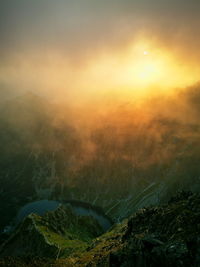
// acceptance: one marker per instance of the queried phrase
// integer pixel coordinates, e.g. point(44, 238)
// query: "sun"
point(146, 68)
point(139, 69)
point(148, 71)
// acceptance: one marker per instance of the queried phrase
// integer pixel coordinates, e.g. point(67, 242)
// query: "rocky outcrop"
point(28, 240)
point(165, 235)
point(58, 233)
point(157, 236)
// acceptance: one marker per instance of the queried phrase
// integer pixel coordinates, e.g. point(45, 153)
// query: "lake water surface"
point(42, 206)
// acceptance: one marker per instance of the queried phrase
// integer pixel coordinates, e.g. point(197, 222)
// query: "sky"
point(75, 49)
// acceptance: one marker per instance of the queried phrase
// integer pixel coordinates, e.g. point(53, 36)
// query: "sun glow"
point(148, 72)
point(140, 68)
point(146, 69)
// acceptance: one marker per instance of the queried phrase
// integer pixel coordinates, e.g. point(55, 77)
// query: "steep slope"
point(158, 236)
point(125, 160)
point(165, 235)
point(35, 151)
point(56, 234)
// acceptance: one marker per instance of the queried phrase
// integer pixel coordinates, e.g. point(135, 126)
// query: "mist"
point(74, 51)
point(99, 100)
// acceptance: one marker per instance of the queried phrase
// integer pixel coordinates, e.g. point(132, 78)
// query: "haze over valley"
point(99, 113)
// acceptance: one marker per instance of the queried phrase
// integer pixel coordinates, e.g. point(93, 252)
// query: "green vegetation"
point(57, 234)
point(166, 235)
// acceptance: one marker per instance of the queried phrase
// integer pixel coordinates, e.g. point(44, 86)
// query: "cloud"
point(38, 34)
point(73, 25)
